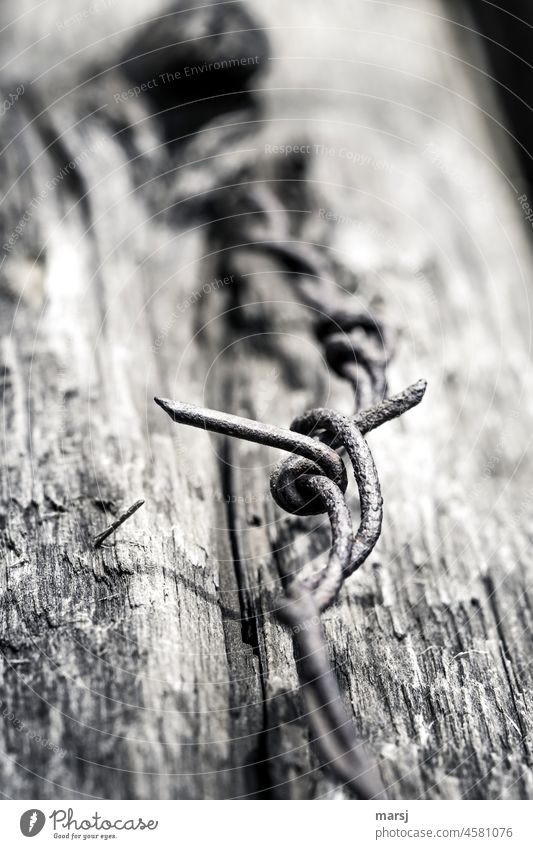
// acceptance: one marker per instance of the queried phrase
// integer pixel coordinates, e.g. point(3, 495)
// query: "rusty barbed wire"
point(313, 480)
point(357, 345)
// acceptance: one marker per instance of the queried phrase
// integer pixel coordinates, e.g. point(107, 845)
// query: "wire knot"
point(299, 489)
point(313, 482)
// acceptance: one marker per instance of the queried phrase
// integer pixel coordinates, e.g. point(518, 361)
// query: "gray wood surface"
point(152, 668)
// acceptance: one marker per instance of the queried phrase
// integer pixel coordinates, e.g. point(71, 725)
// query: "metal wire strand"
point(326, 584)
point(366, 478)
point(357, 345)
point(331, 730)
point(313, 480)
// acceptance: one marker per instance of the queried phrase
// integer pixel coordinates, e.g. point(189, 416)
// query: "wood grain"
point(152, 667)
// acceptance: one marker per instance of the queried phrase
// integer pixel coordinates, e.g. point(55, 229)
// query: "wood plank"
point(154, 665)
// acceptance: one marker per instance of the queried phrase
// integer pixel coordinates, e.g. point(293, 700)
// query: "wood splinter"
point(98, 540)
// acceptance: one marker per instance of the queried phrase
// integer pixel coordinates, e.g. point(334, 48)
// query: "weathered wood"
point(154, 664)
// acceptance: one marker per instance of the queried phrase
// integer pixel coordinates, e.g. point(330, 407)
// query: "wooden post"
point(150, 667)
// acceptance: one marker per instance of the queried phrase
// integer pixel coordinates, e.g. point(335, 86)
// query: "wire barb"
point(314, 481)
point(254, 431)
point(357, 346)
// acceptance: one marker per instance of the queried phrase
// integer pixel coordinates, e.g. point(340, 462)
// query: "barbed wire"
point(314, 480)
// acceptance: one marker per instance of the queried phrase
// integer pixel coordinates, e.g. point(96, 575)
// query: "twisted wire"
point(356, 344)
point(313, 480)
